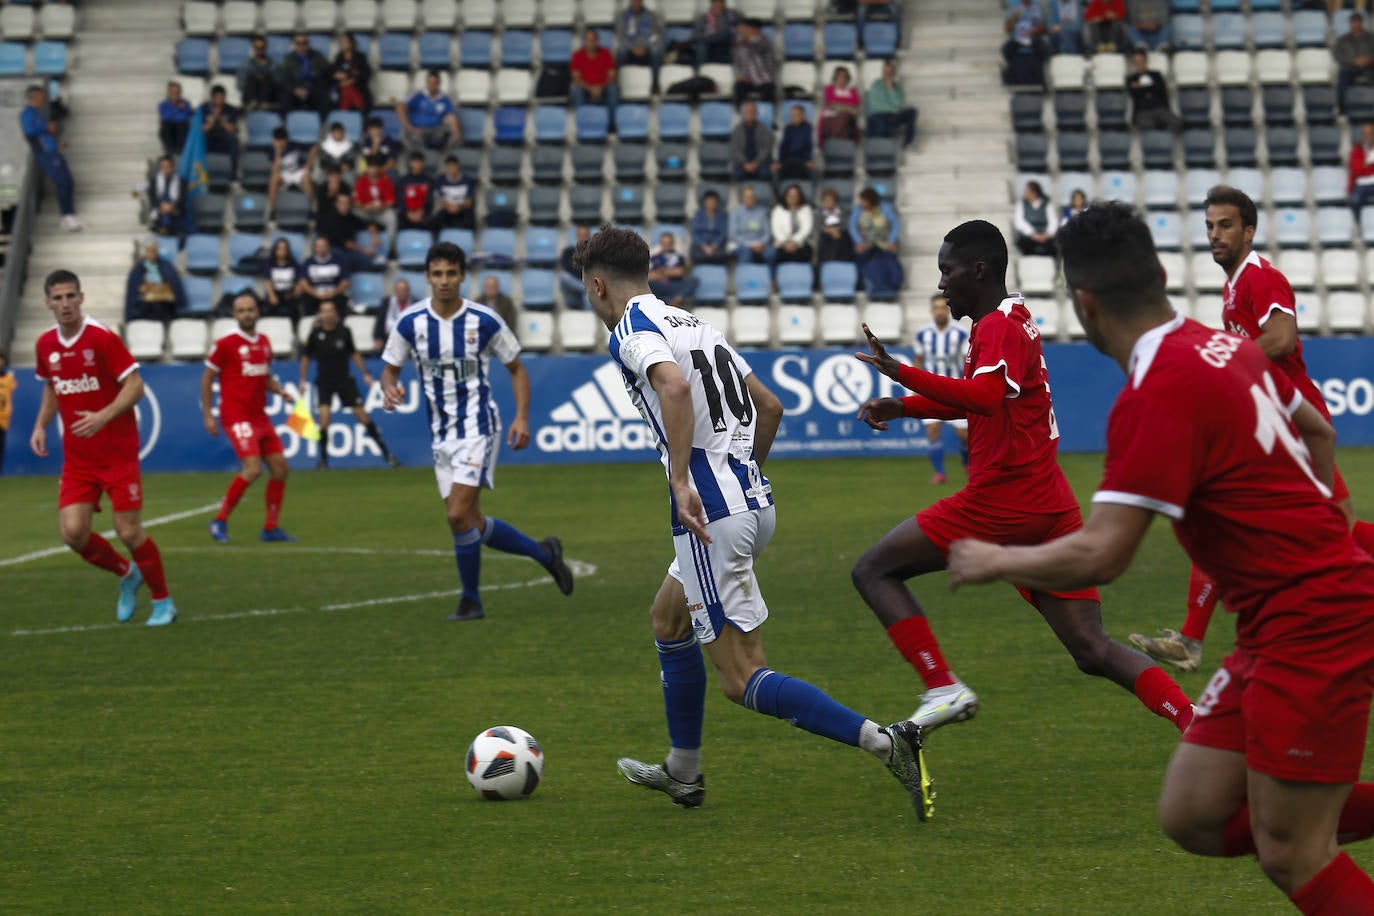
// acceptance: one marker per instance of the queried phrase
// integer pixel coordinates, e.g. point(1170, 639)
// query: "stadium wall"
point(580, 413)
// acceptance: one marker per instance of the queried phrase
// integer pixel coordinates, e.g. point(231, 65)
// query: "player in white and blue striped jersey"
point(941, 346)
point(451, 341)
point(714, 422)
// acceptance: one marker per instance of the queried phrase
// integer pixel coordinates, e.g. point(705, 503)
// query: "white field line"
point(579, 568)
point(150, 523)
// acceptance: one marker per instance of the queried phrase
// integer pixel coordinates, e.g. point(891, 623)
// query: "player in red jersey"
point(92, 381)
point(243, 362)
point(1257, 303)
point(1016, 493)
point(1202, 434)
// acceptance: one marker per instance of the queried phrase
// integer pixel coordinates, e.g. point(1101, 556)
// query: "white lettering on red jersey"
point(86, 373)
point(1201, 433)
point(244, 364)
point(1014, 453)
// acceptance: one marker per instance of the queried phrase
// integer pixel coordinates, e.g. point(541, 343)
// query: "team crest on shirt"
point(243, 350)
point(89, 356)
point(472, 338)
point(54, 357)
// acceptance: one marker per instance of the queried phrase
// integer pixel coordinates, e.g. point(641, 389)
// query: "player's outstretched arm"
point(679, 422)
point(878, 357)
point(130, 393)
point(980, 394)
point(47, 409)
point(768, 409)
point(1096, 554)
point(518, 436)
point(207, 400)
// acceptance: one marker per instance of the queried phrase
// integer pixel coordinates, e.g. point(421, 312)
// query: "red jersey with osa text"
point(244, 364)
point(1013, 454)
point(86, 373)
point(1201, 433)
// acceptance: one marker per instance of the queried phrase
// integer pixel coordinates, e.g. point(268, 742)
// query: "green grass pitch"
point(295, 742)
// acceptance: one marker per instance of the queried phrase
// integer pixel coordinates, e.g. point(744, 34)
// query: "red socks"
point(1356, 823)
point(913, 638)
point(98, 552)
point(1363, 533)
point(1202, 601)
point(276, 489)
point(1161, 696)
point(149, 560)
point(231, 498)
point(1339, 889)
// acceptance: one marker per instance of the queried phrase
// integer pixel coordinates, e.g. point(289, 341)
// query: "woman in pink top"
point(840, 108)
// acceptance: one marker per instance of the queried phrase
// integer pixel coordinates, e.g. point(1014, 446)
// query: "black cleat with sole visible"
point(562, 575)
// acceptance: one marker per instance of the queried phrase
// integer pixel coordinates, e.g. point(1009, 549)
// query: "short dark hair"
point(378, 161)
point(446, 251)
point(432, 72)
point(33, 87)
point(710, 193)
point(1223, 195)
point(334, 124)
point(1037, 186)
point(216, 89)
point(979, 240)
point(870, 197)
point(164, 158)
point(1107, 250)
point(417, 155)
point(448, 159)
point(58, 277)
point(375, 122)
point(279, 133)
point(621, 252)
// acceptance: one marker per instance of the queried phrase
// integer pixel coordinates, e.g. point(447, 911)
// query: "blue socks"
point(503, 537)
point(937, 457)
point(684, 690)
point(467, 549)
point(804, 705)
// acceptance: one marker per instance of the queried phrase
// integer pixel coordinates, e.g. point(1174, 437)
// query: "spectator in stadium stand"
point(1354, 53)
point(835, 241)
point(414, 192)
point(1078, 202)
point(377, 143)
point(292, 164)
point(324, 277)
point(352, 77)
point(794, 225)
point(1149, 96)
point(334, 185)
point(1065, 22)
point(593, 74)
point(166, 199)
point(497, 301)
point(1034, 222)
point(639, 37)
point(257, 78)
point(455, 194)
point(715, 34)
point(840, 107)
point(755, 67)
point(569, 276)
point(751, 146)
point(1147, 24)
point(283, 276)
point(153, 291)
point(221, 126)
point(1025, 28)
point(710, 231)
point(751, 235)
point(887, 109)
point(375, 196)
point(305, 78)
point(428, 117)
point(41, 133)
point(796, 147)
point(669, 278)
point(877, 233)
point(336, 149)
point(391, 311)
point(1104, 26)
point(174, 119)
point(1361, 183)
point(342, 227)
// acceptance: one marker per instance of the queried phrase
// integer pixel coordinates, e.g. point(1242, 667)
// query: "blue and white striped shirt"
point(451, 358)
point(942, 351)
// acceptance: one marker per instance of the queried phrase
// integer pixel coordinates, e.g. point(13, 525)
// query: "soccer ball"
point(505, 763)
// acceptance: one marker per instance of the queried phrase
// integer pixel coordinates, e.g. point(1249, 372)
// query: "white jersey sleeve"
point(642, 350)
point(397, 349)
point(504, 345)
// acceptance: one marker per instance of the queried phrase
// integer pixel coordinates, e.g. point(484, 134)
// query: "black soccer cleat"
point(656, 776)
point(468, 609)
point(562, 575)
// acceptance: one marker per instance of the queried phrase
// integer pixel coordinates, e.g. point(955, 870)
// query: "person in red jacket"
point(1361, 184)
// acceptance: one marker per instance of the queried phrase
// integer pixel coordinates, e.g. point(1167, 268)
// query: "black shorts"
point(346, 388)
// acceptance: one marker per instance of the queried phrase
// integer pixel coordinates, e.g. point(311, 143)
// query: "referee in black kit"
point(330, 345)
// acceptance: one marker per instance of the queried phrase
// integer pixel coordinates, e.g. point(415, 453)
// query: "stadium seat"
point(1283, 146)
point(199, 18)
point(393, 52)
point(513, 86)
point(1190, 68)
point(200, 294)
point(1300, 267)
point(1270, 30)
point(1309, 29)
point(1027, 112)
point(586, 204)
point(839, 323)
point(578, 330)
point(1340, 269)
point(1324, 144)
point(463, 238)
point(839, 281)
point(1241, 147)
point(1328, 184)
point(840, 156)
point(500, 207)
point(799, 41)
point(517, 48)
point(1288, 187)
point(880, 40)
point(411, 247)
point(219, 169)
point(366, 290)
point(1359, 103)
point(1032, 152)
point(1346, 311)
point(1188, 33)
point(796, 325)
point(627, 203)
point(508, 123)
point(670, 203)
point(881, 155)
point(400, 15)
point(544, 205)
point(1292, 227)
point(472, 87)
point(795, 282)
point(717, 120)
point(16, 21)
point(1195, 106)
point(589, 164)
point(145, 339)
point(550, 124)
point(839, 41)
point(672, 161)
point(321, 16)
point(1067, 71)
point(1228, 31)
point(1036, 275)
point(1277, 102)
point(1111, 108)
point(231, 52)
point(303, 127)
point(1157, 149)
point(279, 334)
point(1336, 226)
point(1119, 186)
point(1167, 229)
point(555, 45)
point(1071, 110)
point(239, 17)
point(1114, 150)
point(1274, 67)
point(1175, 270)
point(1320, 104)
point(1313, 65)
point(1073, 151)
point(1237, 104)
point(193, 56)
point(535, 330)
point(207, 213)
point(281, 16)
point(202, 254)
point(713, 160)
point(711, 283)
point(537, 289)
point(592, 122)
point(293, 210)
point(1161, 190)
point(187, 338)
point(751, 326)
point(474, 49)
point(546, 164)
point(243, 252)
point(674, 121)
point(632, 122)
point(13, 58)
point(541, 246)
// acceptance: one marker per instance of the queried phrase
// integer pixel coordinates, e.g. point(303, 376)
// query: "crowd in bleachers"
point(1251, 92)
point(343, 138)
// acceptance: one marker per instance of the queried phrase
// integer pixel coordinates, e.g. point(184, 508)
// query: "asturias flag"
point(194, 171)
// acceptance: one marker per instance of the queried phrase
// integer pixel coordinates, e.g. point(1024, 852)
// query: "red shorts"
point(255, 437)
point(83, 484)
point(957, 517)
point(1300, 715)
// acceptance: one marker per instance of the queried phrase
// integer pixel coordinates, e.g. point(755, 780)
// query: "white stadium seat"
point(636, 83)
point(1175, 270)
point(535, 330)
point(220, 327)
point(1207, 309)
point(16, 22)
point(1109, 71)
point(399, 15)
point(1046, 315)
point(144, 339)
point(1068, 71)
point(1036, 275)
point(520, 14)
point(578, 330)
point(199, 18)
point(358, 15)
point(390, 86)
point(559, 15)
point(514, 87)
point(478, 15)
point(188, 338)
point(360, 327)
point(240, 17)
point(715, 316)
point(319, 15)
point(1233, 68)
point(280, 16)
point(1190, 68)
point(441, 15)
point(749, 325)
point(57, 20)
point(1346, 311)
point(279, 333)
point(1073, 328)
point(1313, 65)
point(303, 328)
point(796, 325)
point(1340, 268)
point(1274, 66)
point(799, 73)
point(473, 87)
point(839, 323)
point(884, 319)
point(1300, 267)
point(1207, 276)
point(598, 12)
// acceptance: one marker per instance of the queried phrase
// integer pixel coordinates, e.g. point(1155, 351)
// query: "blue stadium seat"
point(795, 281)
point(278, 46)
point(474, 50)
point(543, 205)
point(1270, 30)
point(537, 288)
point(207, 214)
point(364, 43)
point(753, 284)
point(555, 46)
point(1161, 189)
point(363, 239)
point(880, 39)
point(200, 295)
point(505, 280)
point(393, 52)
point(243, 246)
point(1259, 6)
point(674, 121)
point(294, 240)
point(799, 41)
point(632, 123)
point(1189, 34)
point(193, 56)
point(509, 124)
point(1225, 6)
point(592, 122)
point(627, 201)
point(411, 247)
point(168, 246)
point(1309, 28)
point(321, 43)
point(260, 125)
point(463, 238)
point(767, 112)
point(711, 283)
point(839, 281)
point(202, 254)
point(550, 124)
point(1228, 30)
point(541, 246)
point(233, 284)
point(717, 120)
point(497, 247)
point(12, 58)
point(436, 51)
point(233, 51)
point(1032, 152)
point(1335, 227)
point(303, 126)
point(366, 289)
point(1329, 184)
point(352, 122)
point(672, 161)
point(419, 286)
point(517, 49)
point(293, 210)
point(841, 40)
point(473, 121)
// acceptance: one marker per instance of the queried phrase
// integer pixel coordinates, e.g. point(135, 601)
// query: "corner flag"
point(302, 423)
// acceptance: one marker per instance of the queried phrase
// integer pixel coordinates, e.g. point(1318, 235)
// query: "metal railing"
point(17, 257)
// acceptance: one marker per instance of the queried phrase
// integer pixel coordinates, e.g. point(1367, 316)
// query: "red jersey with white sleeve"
point(86, 373)
point(244, 364)
point(1201, 433)
point(1249, 299)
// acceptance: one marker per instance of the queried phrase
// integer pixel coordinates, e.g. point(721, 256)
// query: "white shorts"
point(719, 580)
point(469, 462)
point(957, 424)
